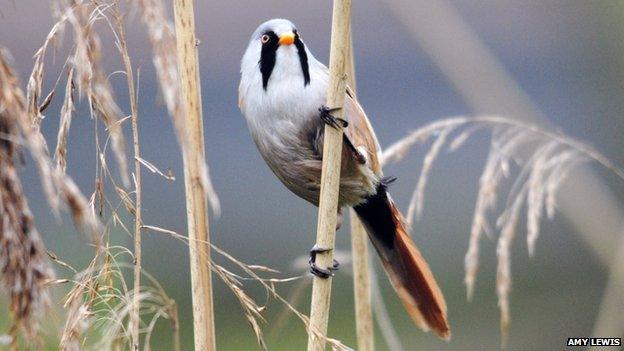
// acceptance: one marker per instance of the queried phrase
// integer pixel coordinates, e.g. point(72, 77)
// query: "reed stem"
point(138, 222)
point(361, 286)
point(330, 175)
point(359, 254)
point(196, 201)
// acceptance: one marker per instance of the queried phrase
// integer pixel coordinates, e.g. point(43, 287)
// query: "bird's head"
point(277, 52)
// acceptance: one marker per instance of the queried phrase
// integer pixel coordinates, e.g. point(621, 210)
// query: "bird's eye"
point(265, 39)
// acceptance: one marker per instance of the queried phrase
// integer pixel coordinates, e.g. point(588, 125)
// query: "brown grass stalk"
point(194, 172)
point(330, 174)
point(362, 286)
point(135, 318)
point(359, 252)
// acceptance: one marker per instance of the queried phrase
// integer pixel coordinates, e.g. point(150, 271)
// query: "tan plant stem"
point(361, 286)
point(330, 175)
point(176, 328)
point(134, 109)
point(359, 253)
point(196, 201)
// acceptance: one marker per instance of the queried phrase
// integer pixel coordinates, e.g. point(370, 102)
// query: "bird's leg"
point(338, 123)
point(318, 271)
point(328, 118)
point(359, 157)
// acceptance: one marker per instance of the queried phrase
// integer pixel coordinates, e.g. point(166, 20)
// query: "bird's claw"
point(318, 271)
point(329, 119)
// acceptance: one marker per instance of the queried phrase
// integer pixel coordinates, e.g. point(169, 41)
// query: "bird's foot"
point(328, 118)
point(318, 271)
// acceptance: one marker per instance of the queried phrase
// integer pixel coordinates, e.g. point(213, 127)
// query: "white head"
point(276, 53)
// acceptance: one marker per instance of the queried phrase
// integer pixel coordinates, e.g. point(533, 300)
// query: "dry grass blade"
point(60, 155)
point(250, 308)
point(35, 81)
point(488, 185)
point(416, 203)
point(168, 176)
point(503, 272)
point(536, 184)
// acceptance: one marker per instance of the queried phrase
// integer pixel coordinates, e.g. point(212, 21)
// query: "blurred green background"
point(567, 55)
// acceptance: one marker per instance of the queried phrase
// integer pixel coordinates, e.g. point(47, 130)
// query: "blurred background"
point(554, 61)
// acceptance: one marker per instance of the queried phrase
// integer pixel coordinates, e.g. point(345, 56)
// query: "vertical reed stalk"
point(359, 254)
point(196, 201)
point(361, 286)
point(330, 175)
point(176, 328)
point(138, 222)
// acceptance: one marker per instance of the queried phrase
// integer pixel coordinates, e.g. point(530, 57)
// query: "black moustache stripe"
point(303, 59)
point(267, 57)
point(269, 53)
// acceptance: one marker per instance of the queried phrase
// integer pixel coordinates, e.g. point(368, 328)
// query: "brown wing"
point(360, 132)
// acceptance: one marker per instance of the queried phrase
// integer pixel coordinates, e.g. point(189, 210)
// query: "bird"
point(282, 93)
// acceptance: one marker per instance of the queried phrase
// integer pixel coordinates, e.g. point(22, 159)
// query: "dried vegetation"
point(103, 311)
point(536, 161)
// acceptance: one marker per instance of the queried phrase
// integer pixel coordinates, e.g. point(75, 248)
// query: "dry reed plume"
point(24, 270)
point(539, 176)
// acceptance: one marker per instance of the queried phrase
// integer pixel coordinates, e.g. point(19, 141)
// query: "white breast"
point(281, 118)
point(277, 112)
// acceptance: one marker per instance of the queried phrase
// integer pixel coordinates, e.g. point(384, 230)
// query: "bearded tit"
point(281, 93)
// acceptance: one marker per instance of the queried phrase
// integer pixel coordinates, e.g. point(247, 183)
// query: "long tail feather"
point(409, 273)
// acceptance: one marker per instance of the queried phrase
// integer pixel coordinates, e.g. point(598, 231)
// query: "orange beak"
point(287, 38)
